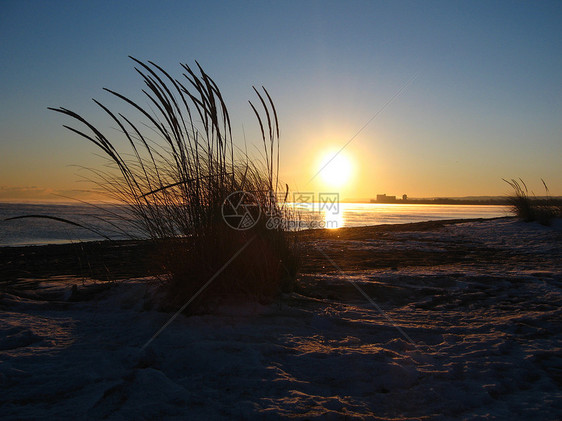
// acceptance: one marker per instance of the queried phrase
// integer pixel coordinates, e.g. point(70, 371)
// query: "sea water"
point(365, 214)
point(106, 220)
point(102, 222)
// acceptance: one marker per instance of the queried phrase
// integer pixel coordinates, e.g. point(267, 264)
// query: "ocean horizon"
point(105, 219)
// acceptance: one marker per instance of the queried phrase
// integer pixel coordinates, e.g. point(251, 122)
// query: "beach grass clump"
point(531, 208)
point(174, 171)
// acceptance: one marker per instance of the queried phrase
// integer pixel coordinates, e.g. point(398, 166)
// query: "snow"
point(487, 342)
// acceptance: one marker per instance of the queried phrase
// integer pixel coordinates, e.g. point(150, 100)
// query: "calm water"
point(44, 231)
point(34, 231)
point(363, 214)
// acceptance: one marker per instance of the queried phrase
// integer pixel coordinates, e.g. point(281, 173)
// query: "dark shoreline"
point(358, 233)
point(102, 260)
point(122, 259)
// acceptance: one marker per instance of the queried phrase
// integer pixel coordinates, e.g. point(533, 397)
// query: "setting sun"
point(335, 169)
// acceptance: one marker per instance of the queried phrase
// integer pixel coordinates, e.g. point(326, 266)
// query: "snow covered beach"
point(467, 324)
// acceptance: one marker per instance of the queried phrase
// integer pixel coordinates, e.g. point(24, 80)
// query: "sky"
point(432, 98)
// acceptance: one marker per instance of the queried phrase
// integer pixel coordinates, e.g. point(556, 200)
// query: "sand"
point(462, 320)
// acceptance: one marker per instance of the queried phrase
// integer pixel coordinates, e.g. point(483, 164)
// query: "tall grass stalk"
point(174, 184)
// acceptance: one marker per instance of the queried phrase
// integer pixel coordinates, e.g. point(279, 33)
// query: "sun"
point(335, 169)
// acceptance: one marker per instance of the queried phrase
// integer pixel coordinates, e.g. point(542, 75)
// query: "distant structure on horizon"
point(383, 198)
point(480, 200)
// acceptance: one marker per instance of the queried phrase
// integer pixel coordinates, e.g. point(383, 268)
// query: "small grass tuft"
point(542, 210)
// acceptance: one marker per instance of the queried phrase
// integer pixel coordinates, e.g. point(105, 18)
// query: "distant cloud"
point(41, 194)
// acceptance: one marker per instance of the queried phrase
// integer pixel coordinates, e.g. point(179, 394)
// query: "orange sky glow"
point(436, 100)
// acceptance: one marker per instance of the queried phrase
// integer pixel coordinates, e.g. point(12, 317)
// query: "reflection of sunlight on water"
point(333, 219)
point(363, 214)
point(338, 215)
point(315, 215)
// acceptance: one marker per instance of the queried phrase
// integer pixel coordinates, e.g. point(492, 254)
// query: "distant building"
point(383, 198)
point(404, 197)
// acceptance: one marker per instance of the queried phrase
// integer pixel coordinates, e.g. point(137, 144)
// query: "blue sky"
point(483, 99)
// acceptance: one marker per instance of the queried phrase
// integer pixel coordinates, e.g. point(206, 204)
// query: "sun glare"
point(335, 169)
